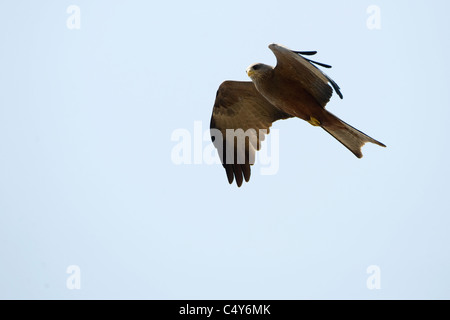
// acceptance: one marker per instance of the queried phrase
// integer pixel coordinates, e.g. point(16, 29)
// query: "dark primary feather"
point(333, 83)
point(318, 63)
point(306, 53)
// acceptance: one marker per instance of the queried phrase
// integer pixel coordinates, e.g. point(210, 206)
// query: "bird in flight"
point(244, 110)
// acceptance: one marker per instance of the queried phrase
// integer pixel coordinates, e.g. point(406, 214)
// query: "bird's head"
point(259, 71)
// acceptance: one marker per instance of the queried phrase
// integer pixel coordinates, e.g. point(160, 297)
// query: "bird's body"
point(294, 88)
point(298, 103)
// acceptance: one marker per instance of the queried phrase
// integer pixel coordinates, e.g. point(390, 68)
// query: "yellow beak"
point(250, 72)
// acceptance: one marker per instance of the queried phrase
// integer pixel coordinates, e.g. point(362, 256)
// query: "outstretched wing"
point(292, 65)
point(240, 119)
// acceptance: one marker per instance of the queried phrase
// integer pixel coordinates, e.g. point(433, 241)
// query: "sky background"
point(87, 176)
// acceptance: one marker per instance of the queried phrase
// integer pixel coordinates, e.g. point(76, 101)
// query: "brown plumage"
point(238, 105)
point(294, 88)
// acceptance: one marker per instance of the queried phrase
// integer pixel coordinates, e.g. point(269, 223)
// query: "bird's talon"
point(313, 121)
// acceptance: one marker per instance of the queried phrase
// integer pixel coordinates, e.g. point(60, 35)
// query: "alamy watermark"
point(73, 281)
point(374, 279)
point(195, 147)
point(73, 22)
point(373, 21)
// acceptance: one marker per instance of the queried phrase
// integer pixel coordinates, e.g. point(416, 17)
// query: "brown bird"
point(294, 88)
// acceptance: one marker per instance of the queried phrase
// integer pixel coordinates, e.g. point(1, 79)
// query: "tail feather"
point(351, 138)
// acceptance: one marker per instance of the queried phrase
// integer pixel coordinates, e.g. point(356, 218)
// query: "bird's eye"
point(256, 67)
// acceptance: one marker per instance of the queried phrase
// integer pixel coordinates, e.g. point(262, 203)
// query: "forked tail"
point(351, 138)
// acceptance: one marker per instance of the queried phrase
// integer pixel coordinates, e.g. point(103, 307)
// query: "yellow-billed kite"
point(294, 88)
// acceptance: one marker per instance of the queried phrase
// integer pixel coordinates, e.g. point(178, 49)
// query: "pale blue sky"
point(86, 176)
